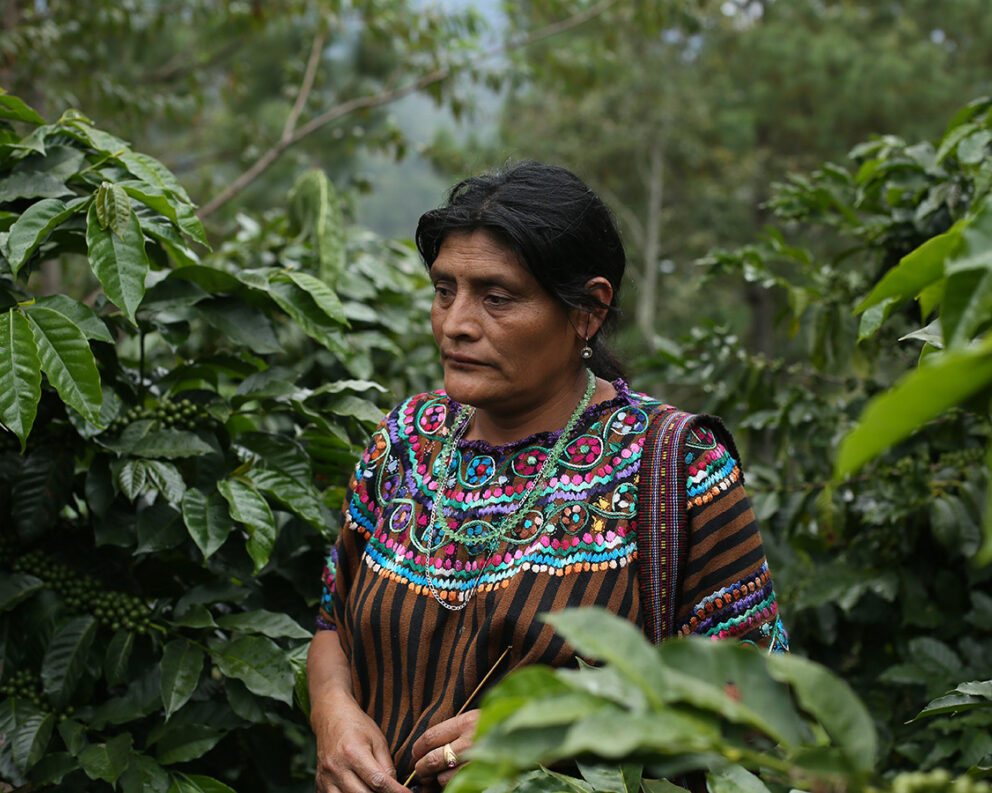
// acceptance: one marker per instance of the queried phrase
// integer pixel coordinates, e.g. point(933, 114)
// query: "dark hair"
point(559, 229)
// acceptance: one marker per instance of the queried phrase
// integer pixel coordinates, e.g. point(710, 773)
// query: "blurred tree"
point(683, 114)
point(210, 87)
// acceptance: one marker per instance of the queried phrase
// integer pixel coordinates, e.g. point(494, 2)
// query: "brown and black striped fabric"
point(415, 662)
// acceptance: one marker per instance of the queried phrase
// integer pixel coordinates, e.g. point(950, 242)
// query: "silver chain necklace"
point(490, 540)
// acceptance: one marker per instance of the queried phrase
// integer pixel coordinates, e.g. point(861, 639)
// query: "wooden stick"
point(471, 696)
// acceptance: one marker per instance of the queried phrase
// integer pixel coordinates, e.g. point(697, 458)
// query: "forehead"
point(478, 253)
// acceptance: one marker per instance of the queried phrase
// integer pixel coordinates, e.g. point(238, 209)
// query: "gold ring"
point(449, 756)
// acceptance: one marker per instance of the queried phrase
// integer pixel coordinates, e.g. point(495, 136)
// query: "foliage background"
point(772, 165)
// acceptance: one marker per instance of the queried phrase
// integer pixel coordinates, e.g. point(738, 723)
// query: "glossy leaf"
point(734, 779)
point(20, 374)
point(67, 360)
point(266, 623)
point(150, 170)
point(170, 444)
point(33, 227)
point(305, 312)
point(144, 775)
point(107, 761)
point(31, 737)
point(113, 210)
point(65, 657)
point(241, 322)
point(118, 656)
point(41, 488)
point(119, 261)
point(16, 587)
point(918, 397)
point(133, 478)
point(834, 706)
point(15, 109)
point(207, 519)
point(181, 665)
point(915, 270)
point(258, 663)
point(297, 498)
point(180, 212)
point(325, 297)
point(80, 314)
point(246, 505)
point(197, 783)
point(165, 477)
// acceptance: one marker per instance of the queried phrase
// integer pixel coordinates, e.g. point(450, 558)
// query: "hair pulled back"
point(558, 228)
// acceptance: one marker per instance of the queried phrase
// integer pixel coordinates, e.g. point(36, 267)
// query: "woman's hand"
point(428, 751)
point(352, 755)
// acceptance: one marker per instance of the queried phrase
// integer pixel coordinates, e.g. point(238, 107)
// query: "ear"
point(588, 321)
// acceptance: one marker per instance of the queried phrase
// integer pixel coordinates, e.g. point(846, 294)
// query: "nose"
point(459, 319)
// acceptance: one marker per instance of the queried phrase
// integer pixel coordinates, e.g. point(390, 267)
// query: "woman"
point(511, 493)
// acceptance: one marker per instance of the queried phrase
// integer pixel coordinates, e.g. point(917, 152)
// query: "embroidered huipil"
point(414, 662)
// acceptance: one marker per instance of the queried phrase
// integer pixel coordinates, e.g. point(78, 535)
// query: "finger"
point(445, 776)
point(376, 777)
point(447, 731)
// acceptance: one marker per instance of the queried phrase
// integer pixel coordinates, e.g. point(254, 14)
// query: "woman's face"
point(507, 346)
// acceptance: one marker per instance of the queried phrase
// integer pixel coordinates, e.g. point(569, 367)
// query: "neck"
point(552, 414)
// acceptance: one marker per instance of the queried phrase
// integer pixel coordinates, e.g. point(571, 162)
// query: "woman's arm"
point(352, 755)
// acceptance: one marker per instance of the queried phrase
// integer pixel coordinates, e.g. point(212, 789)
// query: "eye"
point(442, 292)
point(497, 300)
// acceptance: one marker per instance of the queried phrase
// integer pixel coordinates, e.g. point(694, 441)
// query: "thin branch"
point(375, 100)
point(305, 87)
point(629, 216)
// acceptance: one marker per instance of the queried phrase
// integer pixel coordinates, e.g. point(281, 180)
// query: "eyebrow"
point(475, 281)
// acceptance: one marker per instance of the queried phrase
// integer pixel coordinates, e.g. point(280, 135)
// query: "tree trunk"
point(647, 299)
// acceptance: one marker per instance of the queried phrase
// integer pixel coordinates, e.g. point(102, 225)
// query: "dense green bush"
point(869, 472)
point(178, 427)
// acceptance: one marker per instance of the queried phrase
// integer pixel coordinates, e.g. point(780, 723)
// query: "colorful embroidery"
point(736, 610)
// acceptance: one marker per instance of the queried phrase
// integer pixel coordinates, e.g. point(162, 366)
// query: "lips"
point(462, 360)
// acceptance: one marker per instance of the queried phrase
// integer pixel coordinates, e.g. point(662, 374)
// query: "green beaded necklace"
point(509, 524)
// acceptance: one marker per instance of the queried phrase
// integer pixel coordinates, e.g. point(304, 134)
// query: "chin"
point(468, 389)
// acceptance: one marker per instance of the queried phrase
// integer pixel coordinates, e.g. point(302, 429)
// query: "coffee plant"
point(178, 424)
point(867, 435)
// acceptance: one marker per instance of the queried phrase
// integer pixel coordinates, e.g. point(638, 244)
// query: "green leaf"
point(144, 775)
point(359, 408)
point(31, 737)
point(15, 109)
point(167, 480)
point(207, 519)
point(312, 320)
point(257, 662)
point(180, 212)
point(181, 665)
point(53, 767)
point(20, 374)
point(107, 761)
point(246, 505)
point(972, 149)
point(915, 270)
point(942, 381)
point(833, 704)
point(171, 444)
point(31, 185)
point(68, 361)
point(80, 314)
point(132, 478)
point(160, 526)
point(314, 207)
point(241, 322)
point(299, 499)
point(152, 171)
point(660, 786)
point(119, 262)
point(65, 658)
point(16, 587)
point(325, 297)
point(118, 655)
point(196, 783)
point(40, 490)
point(613, 641)
point(734, 779)
point(267, 623)
point(112, 207)
point(33, 227)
